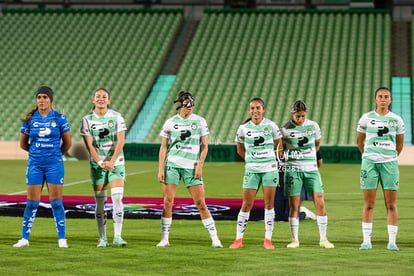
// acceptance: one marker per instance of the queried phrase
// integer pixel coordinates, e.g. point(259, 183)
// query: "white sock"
point(242, 220)
point(392, 233)
point(210, 225)
point(165, 228)
point(294, 228)
point(269, 216)
point(100, 213)
point(117, 209)
point(366, 232)
point(322, 222)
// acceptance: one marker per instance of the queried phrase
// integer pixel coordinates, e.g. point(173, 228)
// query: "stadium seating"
point(77, 51)
point(327, 58)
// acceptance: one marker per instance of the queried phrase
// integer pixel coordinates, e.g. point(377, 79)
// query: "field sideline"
point(190, 252)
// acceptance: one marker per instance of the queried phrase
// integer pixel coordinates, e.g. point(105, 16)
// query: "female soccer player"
point(258, 140)
point(103, 132)
point(183, 149)
point(380, 140)
point(45, 134)
point(301, 138)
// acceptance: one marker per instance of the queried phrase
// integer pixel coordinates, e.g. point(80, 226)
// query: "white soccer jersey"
point(184, 137)
point(380, 135)
point(300, 148)
point(258, 142)
point(103, 131)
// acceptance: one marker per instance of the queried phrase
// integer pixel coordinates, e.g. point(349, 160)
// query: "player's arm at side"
point(400, 143)
point(66, 142)
point(319, 158)
point(241, 150)
point(278, 146)
point(91, 149)
point(360, 141)
point(203, 154)
point(24, 141)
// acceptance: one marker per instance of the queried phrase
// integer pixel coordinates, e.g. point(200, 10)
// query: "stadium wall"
point(217, 153)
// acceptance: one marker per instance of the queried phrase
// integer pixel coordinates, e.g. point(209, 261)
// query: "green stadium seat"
point(75, 66)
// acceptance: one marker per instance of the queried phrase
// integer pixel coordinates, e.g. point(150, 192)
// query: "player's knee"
point(201, 205)
point(32, 204)
point(56, 203)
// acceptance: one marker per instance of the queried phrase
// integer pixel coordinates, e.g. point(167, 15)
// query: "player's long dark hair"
point(30, 114)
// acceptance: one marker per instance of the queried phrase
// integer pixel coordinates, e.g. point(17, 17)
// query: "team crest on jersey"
point(392, 123)
point(309, 131)
point(111, 123)
point(53, 124)
point(266, 131)
point(193, 126)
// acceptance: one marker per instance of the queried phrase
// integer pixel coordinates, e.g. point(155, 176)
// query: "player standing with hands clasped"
point(380, 140)
point(45, 134)
point(103, 132)
point(301, 139)
point(183, 149)
point(258, 141)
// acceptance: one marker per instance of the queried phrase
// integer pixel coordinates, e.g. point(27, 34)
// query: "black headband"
point(45, 90)
point(183, 96)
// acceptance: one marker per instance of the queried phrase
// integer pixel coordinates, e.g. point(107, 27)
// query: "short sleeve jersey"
point(103, 131)
point(184, 136)
point(300, 148)
point(45, 133)
point(258, 141)
point(380, 135)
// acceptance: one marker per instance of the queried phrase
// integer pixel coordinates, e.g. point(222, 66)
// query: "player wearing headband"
point(184, 148)
point(45, 135)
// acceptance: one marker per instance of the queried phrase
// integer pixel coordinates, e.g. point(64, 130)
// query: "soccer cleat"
point(216, 244)
point(308, 213)
point(267, 244)
point(163, 243)
point(102, 243)
point(326, 244)
point(365, 246)
point(294, 244)
point(21, 243)
point(393, 247)
point(63, 243)
point(237, 244)
point(118, 241)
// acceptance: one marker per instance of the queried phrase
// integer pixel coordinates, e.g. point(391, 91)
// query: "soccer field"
point(190, 252)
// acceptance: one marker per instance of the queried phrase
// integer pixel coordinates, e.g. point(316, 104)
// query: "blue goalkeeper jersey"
point(45, 134)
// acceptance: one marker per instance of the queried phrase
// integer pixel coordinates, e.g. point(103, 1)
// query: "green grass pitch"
point(190, 252)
